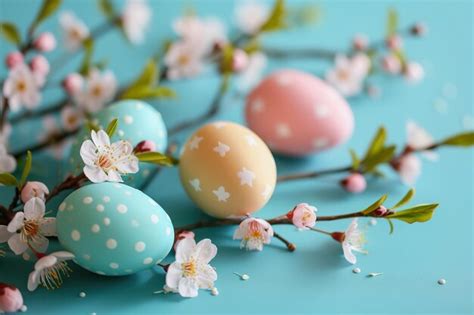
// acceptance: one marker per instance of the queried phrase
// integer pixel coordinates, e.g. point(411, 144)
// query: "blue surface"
point(315, 278)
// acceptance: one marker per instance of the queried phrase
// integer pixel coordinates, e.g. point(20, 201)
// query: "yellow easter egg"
point(227, 170)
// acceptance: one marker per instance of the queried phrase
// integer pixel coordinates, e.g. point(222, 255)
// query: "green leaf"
point(148, 93)
point(88, 45)
point(377, 143)
point(408, 196)
point(46, 10)
point(157, 158)
point(226, 62)
point(10, 32)
point(107, 8)
point(91, 126)
point(26, 169)
point(383, 156)
point(148, 76)
point(8, 179)
point(465, 139)
point(277, 18)
point(392, 22)
point(420, 213)
point(355, 160)
point(375, 205)
point(112, 127)
point(390, 223)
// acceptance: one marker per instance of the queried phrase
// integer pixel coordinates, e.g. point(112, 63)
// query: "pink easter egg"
point(296, 113)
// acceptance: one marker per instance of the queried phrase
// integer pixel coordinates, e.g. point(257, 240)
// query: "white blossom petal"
point(17, 245)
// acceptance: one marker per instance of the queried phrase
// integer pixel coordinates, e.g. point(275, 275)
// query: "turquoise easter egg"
point(114, 229)
point(137, 121)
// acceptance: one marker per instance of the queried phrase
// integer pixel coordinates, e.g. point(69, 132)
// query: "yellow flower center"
point(52, 277)
point(183, 60)
point(96, 91)
point(343, 75)
point(21, 86)
point(30, 229)
point(189, 269)
point(104, 162)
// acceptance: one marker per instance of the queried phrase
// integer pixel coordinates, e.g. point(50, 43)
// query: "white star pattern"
point(257, 105)
point(246, 177)
point(221, 149)
point(196, 183)
point(267, 191)
point(219, 124)
point(283, 80)
point(321, 111)
point(320, 143)
point(251, 140)
point(283, 131)
point(221, 194)
point(194, 143)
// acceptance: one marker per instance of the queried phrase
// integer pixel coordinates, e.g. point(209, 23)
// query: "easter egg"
point(296, 113)
point(137, 121)
point(114, 229)
point(227, 170)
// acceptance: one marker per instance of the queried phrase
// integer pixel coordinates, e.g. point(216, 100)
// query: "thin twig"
point(291, 247)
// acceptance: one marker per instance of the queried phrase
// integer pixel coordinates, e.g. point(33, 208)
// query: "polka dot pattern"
point(129, 233)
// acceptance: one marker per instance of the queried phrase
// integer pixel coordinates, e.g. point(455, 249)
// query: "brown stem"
point(5, 108)
point(69, 183)
point(291, 247)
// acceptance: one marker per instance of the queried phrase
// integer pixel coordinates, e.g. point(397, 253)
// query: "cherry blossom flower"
point(391, 64)
point(50, 270)
point(181, 236)
point(183, 61)
point(354, 183)
point(22, 88)
point(417, 137)
point(414, 72)
point(75, 30)
point(251, 16)
point(394, 42)
point(45, 42)
point(191, 270)
point(73, 83)
point(71, 118)
point(29, 228)
point(408, 167)
point(40, 67)
point(105, 161)
point(349, 73)
point(13, 59)
point(5, 134)
point(352, 240)
point(135, 20)
point(34, 190)
point(251, 75)
point(98, 90)
point(303, 216)
point(240, 60)
point(254, 233)
point(11, 299)
point(7, 161)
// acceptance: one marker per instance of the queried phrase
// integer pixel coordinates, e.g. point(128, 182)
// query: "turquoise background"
point(315, 278)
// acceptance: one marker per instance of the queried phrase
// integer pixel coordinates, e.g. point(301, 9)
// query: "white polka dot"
point(62, 206)
point(86, 257)
point(95, 228)
point(100, 208)
point(121, 133)
point(154, 219)
point(128, 119)
point(75, 235)
point(87, 200)
point(121, 208)
point(106, 199)
point(140, 247)
point(70, 207)
point(117, 186)
point(114, 265)
point(128, 193)
point(111, 243)
point(107, 221)
point(168, 230)
point(135, 223)
point(147, 261)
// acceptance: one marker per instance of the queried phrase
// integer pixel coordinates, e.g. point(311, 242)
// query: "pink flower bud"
point(45, 42)
point(73, 83)
point(11, 299)
point(394, 42)
point(380, 211)
point(360, 42)
point(240, 60)
point(419, 29)
point(32, 190)
point(13, 59)
point(391, 64)
point(40, 65)
point(414, 72)
point(181, 236)
point(354, 183)
point(303, 216)
point(145, 146)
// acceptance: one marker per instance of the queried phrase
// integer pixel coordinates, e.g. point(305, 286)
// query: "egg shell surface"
point(114, 229)
point(227, 170)
point(296, 113)
point(137, 121)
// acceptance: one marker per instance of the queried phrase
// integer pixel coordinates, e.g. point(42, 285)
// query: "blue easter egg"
point(114, 229)
point(137, 121)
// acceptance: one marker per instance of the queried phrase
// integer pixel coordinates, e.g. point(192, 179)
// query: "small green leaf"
point(10, 33)
point(226, 62)
point(26, 170)
point(8, 179)
point(91, 126)
point(377, 143)
point(112, 127)
point(408, 196)
point(392, 22)
point(465, 139)
point(149, 93)
point(88, 45)
point(383, 156)
point(46, 10)
point(252, 46)
point(107, 8)
point(157, 158)
point(277, 18)
point(420, 213)
point(355, 160)
point(390, 223)
point(375, 205)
